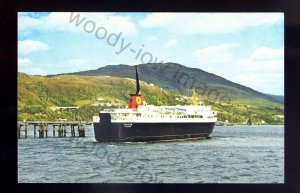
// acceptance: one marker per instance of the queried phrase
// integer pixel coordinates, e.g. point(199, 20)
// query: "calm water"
point(236, 154)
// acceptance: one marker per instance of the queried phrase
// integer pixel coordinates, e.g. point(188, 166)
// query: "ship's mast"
point(194, 98)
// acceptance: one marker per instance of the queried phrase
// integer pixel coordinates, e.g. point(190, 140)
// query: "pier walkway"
point(59, 127)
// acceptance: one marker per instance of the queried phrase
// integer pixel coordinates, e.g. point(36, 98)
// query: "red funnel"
point(135, 101)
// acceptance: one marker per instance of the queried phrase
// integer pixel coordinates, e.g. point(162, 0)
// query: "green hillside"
point(38, 94)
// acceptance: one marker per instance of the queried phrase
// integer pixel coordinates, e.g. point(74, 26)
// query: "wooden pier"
point(59, 127)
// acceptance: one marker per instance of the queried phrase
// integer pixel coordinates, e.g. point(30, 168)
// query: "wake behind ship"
point(141, 122)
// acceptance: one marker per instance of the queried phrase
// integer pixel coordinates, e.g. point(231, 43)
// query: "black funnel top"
point(137, 81)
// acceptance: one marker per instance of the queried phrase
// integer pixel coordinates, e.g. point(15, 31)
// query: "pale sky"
point(246, 48)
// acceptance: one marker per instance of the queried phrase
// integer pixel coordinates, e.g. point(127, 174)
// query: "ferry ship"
point(142, 122)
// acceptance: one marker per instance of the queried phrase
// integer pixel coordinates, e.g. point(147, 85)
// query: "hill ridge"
point(164, 74)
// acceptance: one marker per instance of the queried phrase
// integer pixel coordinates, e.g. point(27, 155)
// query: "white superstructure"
point(163, 114)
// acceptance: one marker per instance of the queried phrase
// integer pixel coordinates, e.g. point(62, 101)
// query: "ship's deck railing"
point(149, 116)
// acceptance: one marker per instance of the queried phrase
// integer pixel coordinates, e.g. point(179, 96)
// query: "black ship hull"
point(107, 131)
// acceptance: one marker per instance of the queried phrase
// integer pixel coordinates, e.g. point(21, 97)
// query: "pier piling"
point(53, 130)
point(41, 130)
point(65, 130)
point(26, 129)
point(46, 129)
point(34, 128)
point(19, 130)
point(81, 130)
point(60, 130)
point(72, 131)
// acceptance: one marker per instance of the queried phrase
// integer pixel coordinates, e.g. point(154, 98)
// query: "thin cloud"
point(76, 64)
point(34, 71)
point(264, 59)
point(192, 23)
point(30, 46)
point(266, 53)
point(218, 54)
point(262, 81)
point(24, 62)
point(171, 43)
point(60, 21)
